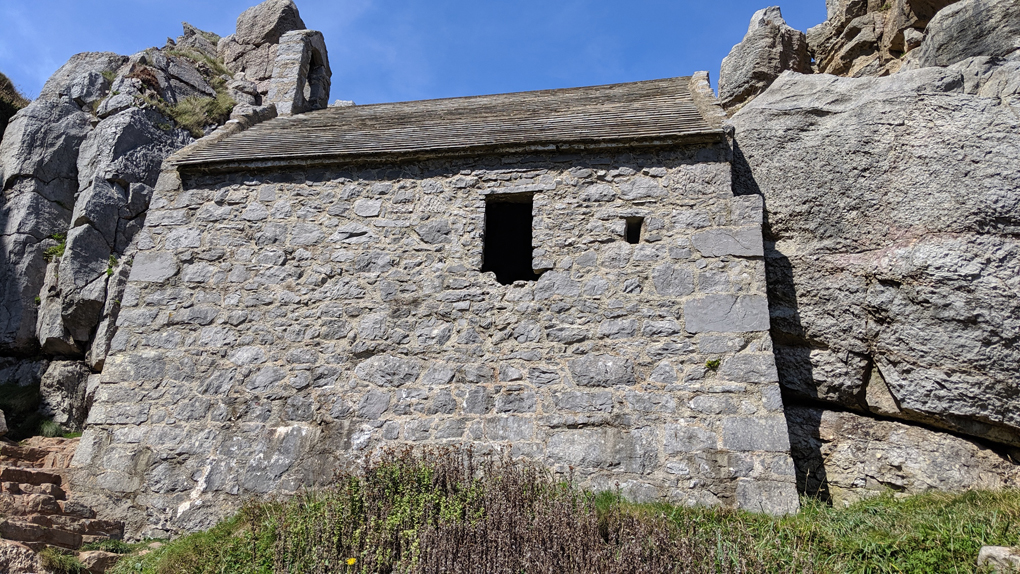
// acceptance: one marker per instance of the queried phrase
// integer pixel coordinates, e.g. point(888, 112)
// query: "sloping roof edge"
point(669, 112)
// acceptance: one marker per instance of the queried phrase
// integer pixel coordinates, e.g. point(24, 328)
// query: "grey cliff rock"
point(3, 424)
point(128, 148)
point(769, 48)
point(869, 38)
point(970, 28)
point(39, 179)
point(80, 71)
point(251, 52)
point(266, 22)
point(892, 252)
point(63, 393)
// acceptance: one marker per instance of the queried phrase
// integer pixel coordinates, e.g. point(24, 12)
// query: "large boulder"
point(845, 457)
point(892, 248)
point(266, 22)
point(128, 147)
point(970, 28)
point(117, 165)
point(251, 51)
point(769, 48)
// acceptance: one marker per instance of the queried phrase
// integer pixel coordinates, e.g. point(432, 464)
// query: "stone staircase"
point(35, 507)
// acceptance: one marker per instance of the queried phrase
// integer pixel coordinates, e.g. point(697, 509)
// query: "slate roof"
point(656, 110)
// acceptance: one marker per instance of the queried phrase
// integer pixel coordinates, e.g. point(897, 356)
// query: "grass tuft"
point(59, 562)
point(113, 546)
point(56, 251)
point(195, 114)
point(50, 429)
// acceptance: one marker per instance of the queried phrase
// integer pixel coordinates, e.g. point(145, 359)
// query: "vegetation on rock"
point(447, 511)
point(60, 562)
point(10, 102)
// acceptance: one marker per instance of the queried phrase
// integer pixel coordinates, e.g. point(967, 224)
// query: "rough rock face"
point(769, 48)
point(868, 37)
point(3, 424)
point(17, 558)
point(970, 28)
point(894, 264)
point(63, 393)
point(845, 457)
point(302, 65)
point(39, 180)
point(251, 51)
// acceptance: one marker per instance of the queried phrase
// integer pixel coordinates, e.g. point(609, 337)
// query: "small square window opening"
point(633, 232)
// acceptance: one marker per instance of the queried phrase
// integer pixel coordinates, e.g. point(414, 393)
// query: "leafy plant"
point(712, 364)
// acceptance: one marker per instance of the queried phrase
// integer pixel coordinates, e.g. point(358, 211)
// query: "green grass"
point(55, 252)
point(50, 429)
point(196, 113)
point(59, 562)
point(115, 546)
point(438, 513)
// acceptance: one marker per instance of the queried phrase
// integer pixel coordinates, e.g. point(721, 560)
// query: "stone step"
point(74, 508)
point(29, 476)
point(24, 488)
point(83, 526)
point(38, 452)
point(28, 457)
point(33, 535)
point(88, 526)
point(28, 504)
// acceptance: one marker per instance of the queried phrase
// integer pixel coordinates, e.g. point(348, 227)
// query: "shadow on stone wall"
point(791, 349)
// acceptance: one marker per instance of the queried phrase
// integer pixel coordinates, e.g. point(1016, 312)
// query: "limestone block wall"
point(281, 325)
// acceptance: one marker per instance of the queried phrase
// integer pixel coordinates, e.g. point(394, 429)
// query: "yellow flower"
point(351, 561)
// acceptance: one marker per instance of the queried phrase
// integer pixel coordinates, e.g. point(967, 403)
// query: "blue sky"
point(396, 50)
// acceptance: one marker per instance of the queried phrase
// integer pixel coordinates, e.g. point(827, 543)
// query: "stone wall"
point(278, 327)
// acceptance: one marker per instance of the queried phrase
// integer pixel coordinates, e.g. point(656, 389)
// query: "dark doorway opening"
point(633, 232)
point(507, 250)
